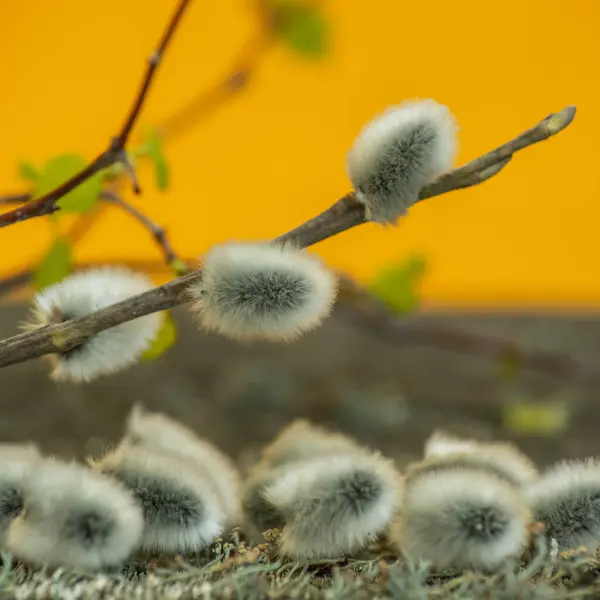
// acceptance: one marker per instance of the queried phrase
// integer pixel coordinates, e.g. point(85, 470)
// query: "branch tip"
point(558, 121)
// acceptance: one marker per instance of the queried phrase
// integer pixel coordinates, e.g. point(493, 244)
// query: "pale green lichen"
point(231, 569)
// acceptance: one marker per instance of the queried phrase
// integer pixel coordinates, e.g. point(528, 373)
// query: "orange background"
point(274, 155)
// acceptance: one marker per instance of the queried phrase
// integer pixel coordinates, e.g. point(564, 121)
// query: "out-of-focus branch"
point(15, 198)
point(367, 312)
point(14, 282)
point(81, 227)
point(157, 232)
point(237, 79)
point(115, 152)
point(343, 215)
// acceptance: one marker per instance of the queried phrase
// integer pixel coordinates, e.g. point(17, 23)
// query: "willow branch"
point(115, 152)
point(244, 66)
point(348, 212)
point(157, 232)
point(18, 280)
point(15, 198)
point(82, 226)
point(343, 215)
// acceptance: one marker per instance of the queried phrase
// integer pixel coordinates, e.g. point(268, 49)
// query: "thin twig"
point(115, 152)
point(82, 226)
point(74, 234)
point(65, 336)
point(158, 233)
point(14, 282)
point(15, 198)
point(204, 104)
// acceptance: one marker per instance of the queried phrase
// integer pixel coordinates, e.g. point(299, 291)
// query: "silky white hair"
point(181, 508)
point(503, 458)
point(301, 439)
point(398, 153)
point(105, 352)
point(16, 463)
point(262, 291)
point(76, 518)
point(260, 514)
point(462, 518)
point(162, 433)
point(566, 498)
point(335, 504)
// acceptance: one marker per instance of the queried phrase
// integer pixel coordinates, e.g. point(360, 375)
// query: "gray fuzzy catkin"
point(566, 498)
point(259, 513)
point(301, 440)
point(262, 291)
point(502, 458)
point(298, 441)
point(75, 518)
point(472, 461)
point(16, 462)
point(161, 433)
point(462, 518)
point(336, 504)
point(180, 505)
point(108, 351)
point(397, 154)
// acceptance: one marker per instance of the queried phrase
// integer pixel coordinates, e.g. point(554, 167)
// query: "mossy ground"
point(231, 569)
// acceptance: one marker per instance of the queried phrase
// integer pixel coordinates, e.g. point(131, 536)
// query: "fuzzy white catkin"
point(259, 513)
point(302, 440)
point(262, 291)
point(110, 350)
point(75, 518)
point(181, 508)
point(566, 498)
point(161, 433)
point(16, 463)
point(502, 458)
point(398, 153)
point(461, 518)
point(335, 505)
point(299, 441)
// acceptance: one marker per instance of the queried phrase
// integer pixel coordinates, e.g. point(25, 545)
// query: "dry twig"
point(158, 232)
point(115, 152)
point(343, 215)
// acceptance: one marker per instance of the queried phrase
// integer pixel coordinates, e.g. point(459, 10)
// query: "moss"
point(231, 569)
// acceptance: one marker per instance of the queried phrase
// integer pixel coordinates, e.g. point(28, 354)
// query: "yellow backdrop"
point(274, 155)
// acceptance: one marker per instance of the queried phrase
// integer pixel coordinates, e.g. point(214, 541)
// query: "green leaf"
point(397, 286)
point(55, 266)
point(58, 170)
point(302, 26)
point(28, 171)
point(153, 147)
point(537, 417)
point(167, 336)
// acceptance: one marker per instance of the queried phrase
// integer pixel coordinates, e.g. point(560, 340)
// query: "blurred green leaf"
point(55, 266)
point(179, 266)
point(397, 286)
point(167, 336)
point(28, 171)
point(535, 417)
point(302, 26)
point(58, 170)
point(153, 148)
